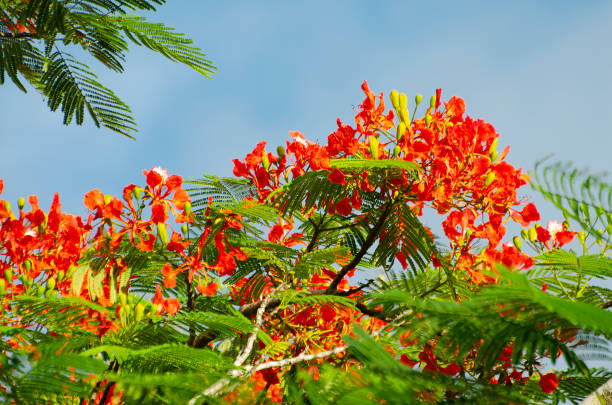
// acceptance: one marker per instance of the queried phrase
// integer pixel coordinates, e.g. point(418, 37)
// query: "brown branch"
point(372, 235)
point(18, 35)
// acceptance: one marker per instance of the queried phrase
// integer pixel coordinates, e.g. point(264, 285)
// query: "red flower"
point(169, 276)
point(549, 383)
point(527, 215)
point(343, 207)
point(336, 176)
point(158, 213)
point(209, 290)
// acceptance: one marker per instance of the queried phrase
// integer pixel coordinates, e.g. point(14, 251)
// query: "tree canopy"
point(310, 277)
point(42, 44)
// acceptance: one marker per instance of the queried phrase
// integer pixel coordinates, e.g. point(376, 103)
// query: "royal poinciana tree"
point(311, 278)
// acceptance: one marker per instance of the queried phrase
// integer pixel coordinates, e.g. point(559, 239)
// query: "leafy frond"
point(160, 38)
point(70, 85)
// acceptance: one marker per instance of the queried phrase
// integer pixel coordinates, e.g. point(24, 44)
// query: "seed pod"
point(265, 161)
point(418, 98)
point(2, 287)
point(130, 299)
point(374, 147)
point(280, 151)
point(21, 203)
point(187, 208)
point(401, 130)
point(396, 151)
point(432, 101)
point(533, 234)
point(394, 96)
point(107, 199)
point(185, 229)
point(489, 179)
point(427, 119)
point(405, 116)
point(123, 299)
point(51, 283)
point(162, 233)
point(403, 101)
point(139, 312)
point(8, 274)
point(517, 242)
point(138, 193)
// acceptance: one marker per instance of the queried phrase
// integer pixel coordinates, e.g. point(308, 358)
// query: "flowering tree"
point(36, 42)
point(310, 278)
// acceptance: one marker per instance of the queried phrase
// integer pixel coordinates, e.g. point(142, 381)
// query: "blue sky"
point(538, 71)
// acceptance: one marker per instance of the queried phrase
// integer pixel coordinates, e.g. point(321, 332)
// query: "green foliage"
point(35, 36)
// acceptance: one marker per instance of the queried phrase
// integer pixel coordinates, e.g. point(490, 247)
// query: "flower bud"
point(265, 161)
point(584, 209)
point(394, 96)
point(139, 312)
point(187, 209)
point(524, 234)
point(489, 179)
point(418, 98)
point(138, 193)
point(130, 299)
point(533, 234)
point(517, 242)
point(401, 130)
point(280, 151)
point(60, 275)
point(493, 155)
point(374, 147)
point(581, 236)
point(403, 101)
point(2, 287)
point(51, 283)
point(7, 205)
point(609, 229)
point(123, 299)
point(162, 233)
point(21, 203)
point(27, 264)
point(185, 229)
point(107, 199)
point(154, 308)
point(396, 151)
point(427, 119)
point(610, 218)
point(40, 290)
point(468, 233)
point(405, 116)
point(432, 101)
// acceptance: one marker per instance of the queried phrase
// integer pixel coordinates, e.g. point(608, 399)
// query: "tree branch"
point(367, 244)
